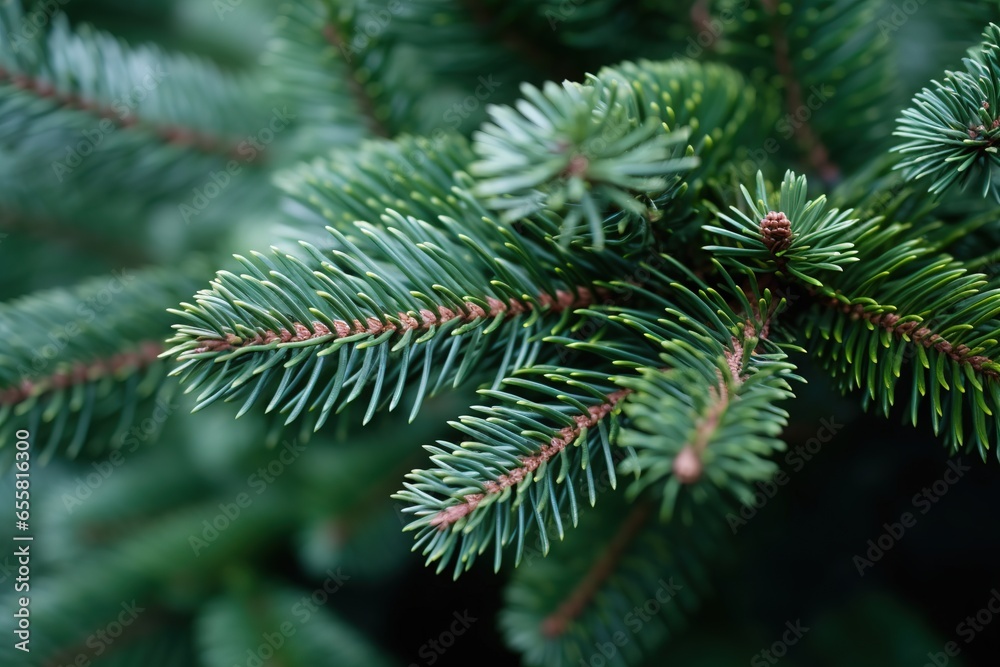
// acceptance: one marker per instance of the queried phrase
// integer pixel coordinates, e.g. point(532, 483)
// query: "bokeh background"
point(128, 535)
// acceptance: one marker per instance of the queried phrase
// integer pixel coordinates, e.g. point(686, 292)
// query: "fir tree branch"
point(402, 323)
point(556, 623)
point(175, 135)
point(362, 98)
point(525, 461)
point(809, 140)
point(552, 64)
point(530, 463)
point(77, 359)
point(144, 354)
point(393, 301)
point(48, 69)
point(59, 231)
point(913, 330)
point(952, 130)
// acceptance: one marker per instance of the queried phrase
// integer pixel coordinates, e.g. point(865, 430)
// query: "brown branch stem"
point(529, 464)
point(170, 134)
point(366, 105)
point(818, 155)
point(563, 300)
point(919, 334)
point(555, 624)
point(145, 354)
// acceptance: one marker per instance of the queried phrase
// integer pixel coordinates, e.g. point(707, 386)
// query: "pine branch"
point(707, 431)
point(175, 135)
point(940, 318)
point(362, 97)
point(554, 154)
point(529, 463)
point(622, 575)
point(417, 296)
point(911, 330)
point(76, 359)
point(900, 298)
point(528, 457)
point(809, 141)
point(43, 72)
point(574, 148)
point(583, 595)
point(231, 623)
point(952, 131)
point(786, 234)
point(706, 420)
point(145, 354)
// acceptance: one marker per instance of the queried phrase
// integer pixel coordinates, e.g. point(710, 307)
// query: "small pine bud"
point(687, 465)
point(777, 231)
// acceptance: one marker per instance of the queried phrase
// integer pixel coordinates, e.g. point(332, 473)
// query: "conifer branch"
point(60, 231)
point(74, 360)
point(402, 323)
point(175, 135)
point(362, 98)
point(557, 622)
point(527, 459)
point(144, 354)
point(511, 35)
point(529, 463)
point(916, 332)
point(47, 67)
point(574, 264)
point(952, 130)
point(816, 152)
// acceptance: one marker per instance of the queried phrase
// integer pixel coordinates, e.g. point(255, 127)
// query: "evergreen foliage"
point(614, 249)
